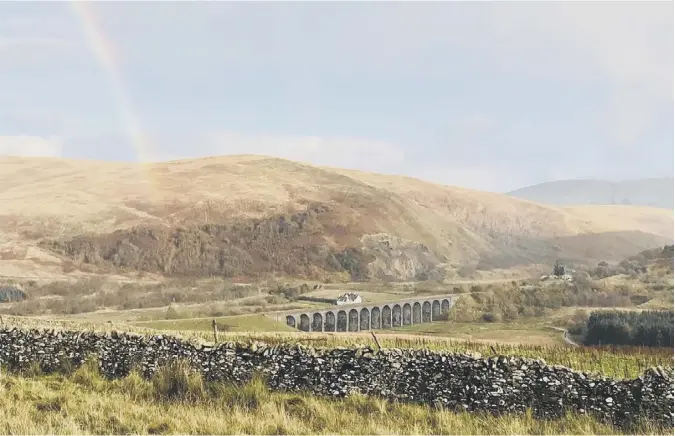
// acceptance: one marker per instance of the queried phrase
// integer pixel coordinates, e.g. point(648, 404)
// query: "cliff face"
point(399, 259)
point(294, 245)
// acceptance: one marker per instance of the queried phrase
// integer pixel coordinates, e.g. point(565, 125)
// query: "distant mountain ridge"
point(656, 192)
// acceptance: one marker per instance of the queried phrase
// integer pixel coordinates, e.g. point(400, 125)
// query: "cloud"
point(23, 43)
point(30, 146)
point(30, 34)
point(15, 51)
point(625, 47)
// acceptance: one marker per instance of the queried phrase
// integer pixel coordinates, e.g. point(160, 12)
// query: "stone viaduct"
point(356, 317)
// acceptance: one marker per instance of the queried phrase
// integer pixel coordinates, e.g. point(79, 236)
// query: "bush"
point(10, 293)
point(466, 271)
point(490, 317)
point(510, 312)
point(355, 262)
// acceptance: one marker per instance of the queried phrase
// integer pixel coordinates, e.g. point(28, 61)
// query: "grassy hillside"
point(251, 216)
point(643, 192)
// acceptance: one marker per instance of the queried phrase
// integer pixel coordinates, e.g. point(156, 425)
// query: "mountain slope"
point(643, 192)
point(254, 215)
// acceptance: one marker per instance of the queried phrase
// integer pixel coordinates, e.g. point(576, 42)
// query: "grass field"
point(242, 323)
point(177, 402)
point(534, 332)
point(526, 333)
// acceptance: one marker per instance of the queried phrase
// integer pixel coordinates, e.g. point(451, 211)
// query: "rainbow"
point(104, 53)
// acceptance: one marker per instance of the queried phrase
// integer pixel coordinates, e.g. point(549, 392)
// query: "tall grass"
point(175, 401)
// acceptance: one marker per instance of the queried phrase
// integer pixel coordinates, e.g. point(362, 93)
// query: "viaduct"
point(356, 317)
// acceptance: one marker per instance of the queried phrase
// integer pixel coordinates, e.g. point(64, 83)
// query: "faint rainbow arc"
point(104, 54)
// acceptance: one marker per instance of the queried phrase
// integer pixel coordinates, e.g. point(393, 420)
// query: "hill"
point(643, 192)
point(255, 215)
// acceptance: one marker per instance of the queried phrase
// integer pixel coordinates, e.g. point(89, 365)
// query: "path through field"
point(566, 336)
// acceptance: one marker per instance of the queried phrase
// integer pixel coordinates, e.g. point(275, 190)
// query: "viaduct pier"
point(374, 316)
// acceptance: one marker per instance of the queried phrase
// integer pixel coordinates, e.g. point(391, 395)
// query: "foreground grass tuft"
point(177, 381)
point(175, 401)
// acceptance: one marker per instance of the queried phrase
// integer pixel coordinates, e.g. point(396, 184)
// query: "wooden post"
point(215, 332)
point(376, 341)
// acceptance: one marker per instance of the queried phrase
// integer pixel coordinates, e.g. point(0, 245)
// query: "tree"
point(558, 269)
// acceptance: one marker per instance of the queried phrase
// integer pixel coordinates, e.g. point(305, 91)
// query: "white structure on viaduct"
point(353, 318)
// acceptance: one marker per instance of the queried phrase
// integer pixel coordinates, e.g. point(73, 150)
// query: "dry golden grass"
point(525, 332)
point(53, 197)
point(177, 402)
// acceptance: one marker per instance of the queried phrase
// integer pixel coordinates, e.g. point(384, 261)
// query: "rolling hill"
point(254, 215)
point(643, 192)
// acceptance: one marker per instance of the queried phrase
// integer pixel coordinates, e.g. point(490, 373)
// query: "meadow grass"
point(177, 401)
point(525, 332)
point(241, 323)
point(522, 332)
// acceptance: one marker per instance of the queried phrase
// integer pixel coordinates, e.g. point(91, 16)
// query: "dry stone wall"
point(455, 381)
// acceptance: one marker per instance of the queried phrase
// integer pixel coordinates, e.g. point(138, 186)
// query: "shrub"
point(355, 262)
point(10, 293)
point(490, 317)
point(510, 312)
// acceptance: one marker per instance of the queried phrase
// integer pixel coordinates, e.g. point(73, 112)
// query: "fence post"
point(215, 332)
point(376, 341)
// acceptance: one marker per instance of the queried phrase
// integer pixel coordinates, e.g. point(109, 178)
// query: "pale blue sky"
point(491, 96)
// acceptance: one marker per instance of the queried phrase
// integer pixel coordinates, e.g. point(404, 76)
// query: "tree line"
point(613, 327)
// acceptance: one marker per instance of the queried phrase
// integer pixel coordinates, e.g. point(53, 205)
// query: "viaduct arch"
point(354, 318)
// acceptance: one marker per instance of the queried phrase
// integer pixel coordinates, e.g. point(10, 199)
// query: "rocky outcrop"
point(292, 244)
point(455, 381)
point(400, 259)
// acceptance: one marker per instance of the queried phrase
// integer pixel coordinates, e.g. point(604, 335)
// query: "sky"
point(486, 95)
